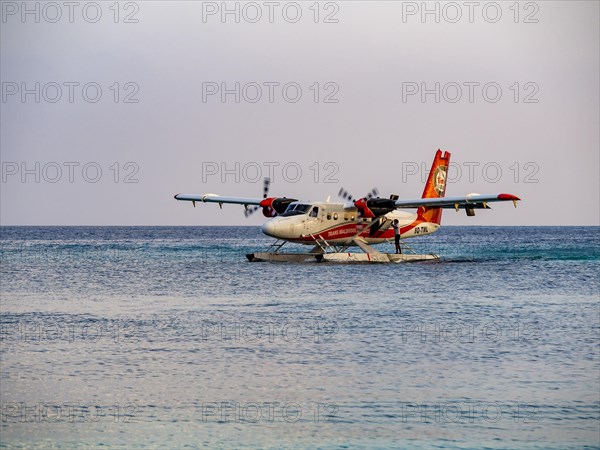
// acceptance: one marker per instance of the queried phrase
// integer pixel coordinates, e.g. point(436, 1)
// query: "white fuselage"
point(337, 223)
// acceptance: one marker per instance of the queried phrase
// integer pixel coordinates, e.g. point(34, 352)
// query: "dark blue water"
point(166, 337)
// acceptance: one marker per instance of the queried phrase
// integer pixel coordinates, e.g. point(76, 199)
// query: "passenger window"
point(335, 216)
point(328, 216)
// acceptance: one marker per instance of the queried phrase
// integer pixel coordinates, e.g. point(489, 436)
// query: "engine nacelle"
point(269, 212)
point(272, 206)
point(363, 208)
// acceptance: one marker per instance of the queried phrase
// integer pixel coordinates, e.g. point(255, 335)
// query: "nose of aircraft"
point(269, 228)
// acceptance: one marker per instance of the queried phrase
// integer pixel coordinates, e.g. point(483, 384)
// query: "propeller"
point(249, 211)
point(344, 194)
point(374, 193)
point(266, 185)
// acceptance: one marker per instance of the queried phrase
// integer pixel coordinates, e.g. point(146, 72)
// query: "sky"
point(109, 109)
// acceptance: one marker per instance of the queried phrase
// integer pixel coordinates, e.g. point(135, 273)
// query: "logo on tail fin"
point(439, 180)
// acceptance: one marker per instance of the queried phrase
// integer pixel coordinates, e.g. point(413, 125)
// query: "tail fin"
point(435, 186)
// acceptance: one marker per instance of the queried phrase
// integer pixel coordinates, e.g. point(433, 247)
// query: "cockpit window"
point(314, 212)
point(295, 209)
point(302, 208)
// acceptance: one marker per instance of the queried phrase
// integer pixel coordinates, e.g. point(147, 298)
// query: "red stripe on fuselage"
point(342, 231)
point(349, 230)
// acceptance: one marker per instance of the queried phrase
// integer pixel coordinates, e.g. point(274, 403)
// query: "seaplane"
point(332, 228)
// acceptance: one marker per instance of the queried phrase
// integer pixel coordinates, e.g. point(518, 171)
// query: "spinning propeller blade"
point(344, 194)
point(374, 193)
point(249, 211)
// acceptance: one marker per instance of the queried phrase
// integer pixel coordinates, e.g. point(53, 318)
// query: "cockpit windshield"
point(302, 208)
point(295, 209)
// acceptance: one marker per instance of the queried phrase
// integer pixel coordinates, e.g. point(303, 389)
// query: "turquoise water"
point(166, 337)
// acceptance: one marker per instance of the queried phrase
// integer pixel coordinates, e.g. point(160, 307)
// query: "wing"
point(213, 198)
point(271, 206)
point(471, 201)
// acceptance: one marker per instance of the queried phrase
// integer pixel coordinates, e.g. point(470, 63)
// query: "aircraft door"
point(313, 220)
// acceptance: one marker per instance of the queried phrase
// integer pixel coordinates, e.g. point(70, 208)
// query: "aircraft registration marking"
point(420, 230)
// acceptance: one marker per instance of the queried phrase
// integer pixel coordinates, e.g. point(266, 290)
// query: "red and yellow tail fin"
point(435, 186)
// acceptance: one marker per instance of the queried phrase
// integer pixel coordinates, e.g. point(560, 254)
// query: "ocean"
point(167, 337)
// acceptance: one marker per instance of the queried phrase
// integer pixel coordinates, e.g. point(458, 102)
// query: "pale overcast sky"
point(135, 92)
